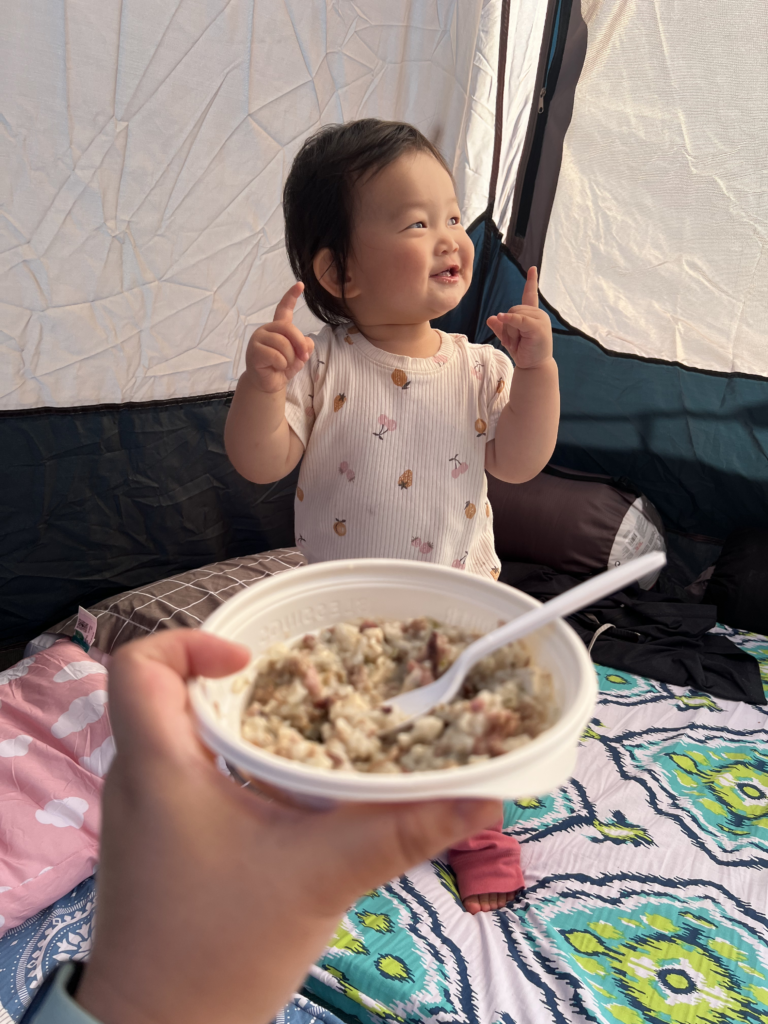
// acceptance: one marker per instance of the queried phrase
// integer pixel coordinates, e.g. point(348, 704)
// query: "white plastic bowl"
point(311, 598)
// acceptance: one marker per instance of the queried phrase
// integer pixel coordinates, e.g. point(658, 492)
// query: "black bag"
point(739, 583)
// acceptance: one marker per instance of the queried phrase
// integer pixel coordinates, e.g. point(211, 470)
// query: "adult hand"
point(278, 350)
point(525, 331)
point(213, 902)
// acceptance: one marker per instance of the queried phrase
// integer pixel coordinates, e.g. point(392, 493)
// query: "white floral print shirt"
point(395, 450)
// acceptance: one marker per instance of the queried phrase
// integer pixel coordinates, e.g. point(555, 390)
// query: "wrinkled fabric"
point(738, 586)
point(655, 245)
point(146, 146)
point(653, 636)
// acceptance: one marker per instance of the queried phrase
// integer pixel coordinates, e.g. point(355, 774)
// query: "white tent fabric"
point(657, 238)
point(144, 229)
point(146, 143)
point(472, 165)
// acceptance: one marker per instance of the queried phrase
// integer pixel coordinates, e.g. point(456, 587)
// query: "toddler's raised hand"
point(277, 351)
point(525, 331)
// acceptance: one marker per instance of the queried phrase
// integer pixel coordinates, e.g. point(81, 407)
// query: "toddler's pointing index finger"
point(286, 305)
point(531, 289)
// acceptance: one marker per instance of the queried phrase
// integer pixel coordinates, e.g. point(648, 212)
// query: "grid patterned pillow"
point(183, 600)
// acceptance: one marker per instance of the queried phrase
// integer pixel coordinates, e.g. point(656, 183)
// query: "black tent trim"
point(74, 410)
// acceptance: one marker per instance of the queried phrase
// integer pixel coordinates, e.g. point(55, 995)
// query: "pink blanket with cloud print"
point(55, 747)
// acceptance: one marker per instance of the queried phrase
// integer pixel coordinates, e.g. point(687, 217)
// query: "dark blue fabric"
point(696, 443)
point(31, 951)
point(98, 500)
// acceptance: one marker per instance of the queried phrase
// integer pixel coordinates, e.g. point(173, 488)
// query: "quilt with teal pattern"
point(647, 886)
point(646, 900)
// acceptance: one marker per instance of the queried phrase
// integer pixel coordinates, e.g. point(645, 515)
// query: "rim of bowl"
point(235, 744)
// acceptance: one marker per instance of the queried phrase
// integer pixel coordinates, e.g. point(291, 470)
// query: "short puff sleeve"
point(303, 391)
point(498, 378)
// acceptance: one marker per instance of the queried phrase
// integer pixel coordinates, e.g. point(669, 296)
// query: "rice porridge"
point(318, 700)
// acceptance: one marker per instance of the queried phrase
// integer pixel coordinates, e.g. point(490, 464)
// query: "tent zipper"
point(556, 48)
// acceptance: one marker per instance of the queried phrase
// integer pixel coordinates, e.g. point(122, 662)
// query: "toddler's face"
point(411, 259)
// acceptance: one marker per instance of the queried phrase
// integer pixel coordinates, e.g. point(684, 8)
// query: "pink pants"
point(487, 862)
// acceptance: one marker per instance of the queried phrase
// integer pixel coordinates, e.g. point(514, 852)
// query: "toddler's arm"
point(527, 429)
point(259, 442)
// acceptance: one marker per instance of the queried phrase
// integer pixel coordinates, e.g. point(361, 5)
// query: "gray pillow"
point(183, 600)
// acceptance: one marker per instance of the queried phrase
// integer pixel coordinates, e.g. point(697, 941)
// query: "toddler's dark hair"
point(318, 198)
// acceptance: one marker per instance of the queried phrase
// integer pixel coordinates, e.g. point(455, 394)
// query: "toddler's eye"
point(454, 220)
point(418, 224)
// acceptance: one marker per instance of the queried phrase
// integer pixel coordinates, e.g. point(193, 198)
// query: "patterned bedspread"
point(647, 896)
point(647, 877)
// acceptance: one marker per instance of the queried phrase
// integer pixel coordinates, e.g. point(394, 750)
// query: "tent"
point(617, 144)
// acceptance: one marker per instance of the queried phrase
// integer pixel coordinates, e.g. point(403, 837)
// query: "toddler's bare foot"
point(488, 901)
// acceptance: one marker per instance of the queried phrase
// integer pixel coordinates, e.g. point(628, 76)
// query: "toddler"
point(397, 422)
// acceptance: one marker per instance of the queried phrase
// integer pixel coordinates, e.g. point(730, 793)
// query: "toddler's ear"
point(327, 274)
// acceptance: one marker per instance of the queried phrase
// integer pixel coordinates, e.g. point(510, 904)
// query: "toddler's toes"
point(489, 901)
point(472, 904)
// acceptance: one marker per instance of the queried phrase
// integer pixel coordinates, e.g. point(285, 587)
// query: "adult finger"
point(531, 290)
point(186, 652)
point(147, 689)
point(287, 304)
point(366, 845)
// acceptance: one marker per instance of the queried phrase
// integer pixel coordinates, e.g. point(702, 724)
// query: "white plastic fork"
point(420, 701)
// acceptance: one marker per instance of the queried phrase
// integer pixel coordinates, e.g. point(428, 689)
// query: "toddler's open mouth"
point(450, 275)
